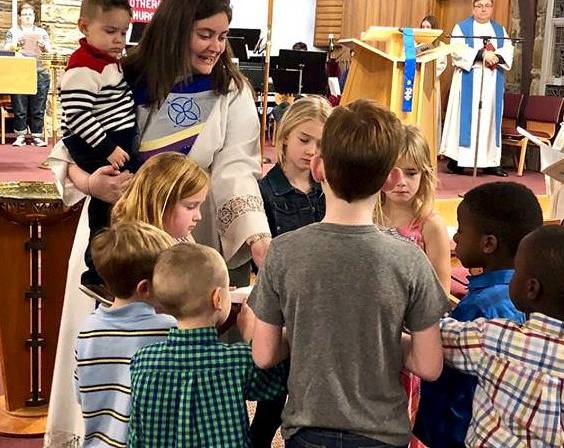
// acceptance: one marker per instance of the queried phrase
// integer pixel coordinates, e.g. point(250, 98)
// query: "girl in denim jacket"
point(292, 199)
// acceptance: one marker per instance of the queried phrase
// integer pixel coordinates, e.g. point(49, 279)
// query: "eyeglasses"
point(482, 6)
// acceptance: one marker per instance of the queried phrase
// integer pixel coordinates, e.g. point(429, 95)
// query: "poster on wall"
point(143, 10)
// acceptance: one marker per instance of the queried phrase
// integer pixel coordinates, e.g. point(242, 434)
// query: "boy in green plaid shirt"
point(190, 391)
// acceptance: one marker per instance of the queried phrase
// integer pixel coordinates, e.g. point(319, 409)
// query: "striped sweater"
point(96, 99)
point(108, 340)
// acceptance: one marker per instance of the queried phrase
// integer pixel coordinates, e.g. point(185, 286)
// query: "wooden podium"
point(36, 235)
point(377, 73)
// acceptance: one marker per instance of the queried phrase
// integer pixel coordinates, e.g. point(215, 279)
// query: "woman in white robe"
point(217, 125)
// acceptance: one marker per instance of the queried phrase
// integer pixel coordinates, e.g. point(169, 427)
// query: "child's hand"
point(246, 322)
point(118, 158)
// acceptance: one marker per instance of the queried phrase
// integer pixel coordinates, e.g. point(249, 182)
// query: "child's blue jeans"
point(325, 438)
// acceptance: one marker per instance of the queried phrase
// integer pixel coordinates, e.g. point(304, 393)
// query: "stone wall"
point(513, 79)
point(514, 76)
point(60, 18)
point(5, 18)
point(539, 42)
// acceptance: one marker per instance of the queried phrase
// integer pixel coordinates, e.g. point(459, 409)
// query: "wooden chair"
point(6, 112)
point(512, 103)
point(5, 107)
point(542, 115)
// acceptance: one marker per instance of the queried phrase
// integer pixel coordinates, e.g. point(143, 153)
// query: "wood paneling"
point(450, 12)
point(360, 14)
point(328, 20)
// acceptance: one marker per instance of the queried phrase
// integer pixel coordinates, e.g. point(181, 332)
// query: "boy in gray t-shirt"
point(344, 291)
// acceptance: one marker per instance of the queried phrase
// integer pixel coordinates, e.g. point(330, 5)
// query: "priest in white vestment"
point(461, 121)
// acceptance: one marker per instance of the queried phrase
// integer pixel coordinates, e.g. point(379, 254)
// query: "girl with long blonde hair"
point(166, 192)
point(292, 199)
point(408, 210)
point(408, 206)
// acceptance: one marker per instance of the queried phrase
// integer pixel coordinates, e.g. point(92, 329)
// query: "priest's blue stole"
point(467, 28)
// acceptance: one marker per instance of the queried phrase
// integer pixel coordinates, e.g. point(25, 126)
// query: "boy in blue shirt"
point(492, 219)
point(125, 257)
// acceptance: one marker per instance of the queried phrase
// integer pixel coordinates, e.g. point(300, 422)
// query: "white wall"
point(293, 20)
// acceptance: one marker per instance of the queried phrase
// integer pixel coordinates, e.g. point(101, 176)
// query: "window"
point(552, 75)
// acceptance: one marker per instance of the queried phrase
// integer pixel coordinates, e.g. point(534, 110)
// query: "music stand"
point(287, 80)
point(312, 65)
point(254, 73)
point(251, 36)
point(239, 48)
point(137, 29)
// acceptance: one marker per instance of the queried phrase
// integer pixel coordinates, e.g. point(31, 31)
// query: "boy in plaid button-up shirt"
point(520, 368)
point(190, 391)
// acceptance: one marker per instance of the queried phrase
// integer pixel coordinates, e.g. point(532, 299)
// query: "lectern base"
point(26, 422)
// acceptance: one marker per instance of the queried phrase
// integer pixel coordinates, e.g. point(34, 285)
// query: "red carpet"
point(23, 164)
point(452, 185)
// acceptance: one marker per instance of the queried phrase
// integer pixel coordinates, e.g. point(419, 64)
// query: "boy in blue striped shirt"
point(125, 257)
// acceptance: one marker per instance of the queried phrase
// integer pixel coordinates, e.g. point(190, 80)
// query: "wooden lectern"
point(378, 74)
point(36, 236)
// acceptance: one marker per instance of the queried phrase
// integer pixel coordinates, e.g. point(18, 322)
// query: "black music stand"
point(137, 29)
point(254, 72)
point(312, 65)
point(239, 48)
point(251, 36)
point(287, 80)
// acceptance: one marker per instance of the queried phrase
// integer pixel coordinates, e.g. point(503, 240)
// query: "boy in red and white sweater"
point(98, 108)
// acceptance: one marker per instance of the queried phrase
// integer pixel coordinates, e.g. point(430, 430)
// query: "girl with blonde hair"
point(166, 192)
point(407, 209)
point(292, 199)
point(408, 206)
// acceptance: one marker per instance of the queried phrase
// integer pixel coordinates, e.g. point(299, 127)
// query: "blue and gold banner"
point(409, 69)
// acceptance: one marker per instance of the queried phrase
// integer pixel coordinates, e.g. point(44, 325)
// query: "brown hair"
point(162, 58)
point(125, 254)
point(161, 182)
point(305, 109)
point(415, 150)
point(90, 8)
point(185, 276)
point(433, 21)
point(26, 5)
point(359, 147)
